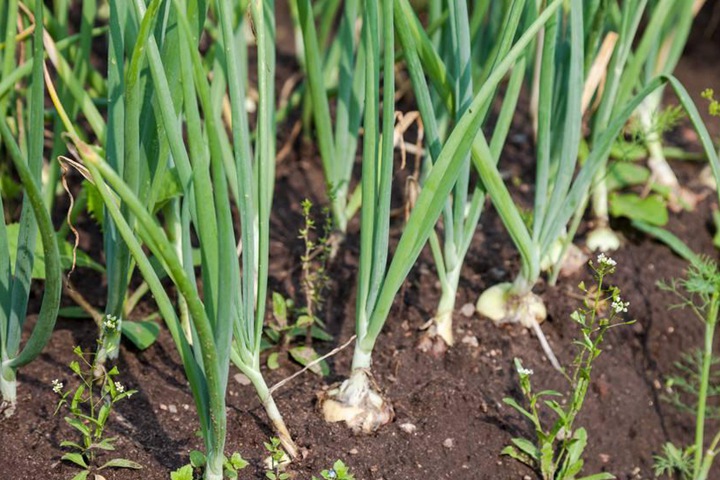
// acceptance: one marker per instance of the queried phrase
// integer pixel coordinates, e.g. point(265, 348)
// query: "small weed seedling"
point(194, 469)
point(700, 292)
point(292, 323)
point(556, 452)
point(318, 252)
point(277, 461)
point(90, 405)
point(338, 472)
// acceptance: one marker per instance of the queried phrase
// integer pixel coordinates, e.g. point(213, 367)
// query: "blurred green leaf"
point(651, 209)
point(142, 334)
point(304, 355)
point(83, 260)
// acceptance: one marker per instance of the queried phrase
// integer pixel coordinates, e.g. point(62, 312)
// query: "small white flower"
point(57, 386)
point(111, 322)
point(119, 387)
point(619, 306)
point(525, 371)
point(605, 260)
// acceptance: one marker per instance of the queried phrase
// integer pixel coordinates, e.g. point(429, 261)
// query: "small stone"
point(354, 451)
point(241, 379)
point(470, 340)
point(163, 406)
point(172, 408)
point(448, 443)
point(604, 458)
point(408, 428)
point(527, 477)
point(657, 384)
point(186, 406)
point(468, 310)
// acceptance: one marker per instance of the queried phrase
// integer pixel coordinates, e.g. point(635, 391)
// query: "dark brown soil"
point(455, 401)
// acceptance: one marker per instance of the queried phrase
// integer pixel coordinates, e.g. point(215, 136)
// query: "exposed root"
point(358, 402)
point(500, 305)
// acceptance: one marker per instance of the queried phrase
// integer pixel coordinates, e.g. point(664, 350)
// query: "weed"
point(556, 452)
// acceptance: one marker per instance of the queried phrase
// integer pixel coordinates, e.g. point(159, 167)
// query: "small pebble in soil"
point(354, 451)
point(241, 379)
point(172, 408)
point(408, 428)
point(471, 340)
point(163, 406)
point(527, 477)
point(448, 443)
point(468, 310)
point(604, 458)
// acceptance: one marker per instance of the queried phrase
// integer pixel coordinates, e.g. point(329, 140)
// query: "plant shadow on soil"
point(457, 396)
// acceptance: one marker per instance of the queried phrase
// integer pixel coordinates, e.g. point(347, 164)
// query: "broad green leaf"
point(547, 464)
point(142, 334)
point(626, 174)
point(237, 461)
point(650, 209)
point(78, 425)
point(599, 476)
point(75, 458)
point(182, 473)
point(304, 355)
point(106, 444)
point(66, 254)
point(66, 443)
point(197, 459)
point(320, 334)
point(95, 206)
point(526, 447)
point(279, 309)
point(82, 475)
point(170, 188)
point(519, 456)
point(272, 361)
point(121, 463)
point(304, 321)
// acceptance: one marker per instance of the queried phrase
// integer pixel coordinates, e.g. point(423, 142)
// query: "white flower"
point(119, 387)
point(111, 322)
point(605, 260)
point(619, 306)
point(525, 371)
point(57, 386)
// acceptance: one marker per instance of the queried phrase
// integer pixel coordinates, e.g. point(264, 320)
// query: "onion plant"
point(639, 56)
point(463, 209)
point(224, 323)
point(357, 401)
point(559, 193)
point(26, 153)
point(345, 62)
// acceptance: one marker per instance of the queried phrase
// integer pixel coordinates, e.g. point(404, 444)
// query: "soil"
point(454, 400)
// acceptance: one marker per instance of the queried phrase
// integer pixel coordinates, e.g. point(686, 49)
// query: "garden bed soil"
point(454, 400)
